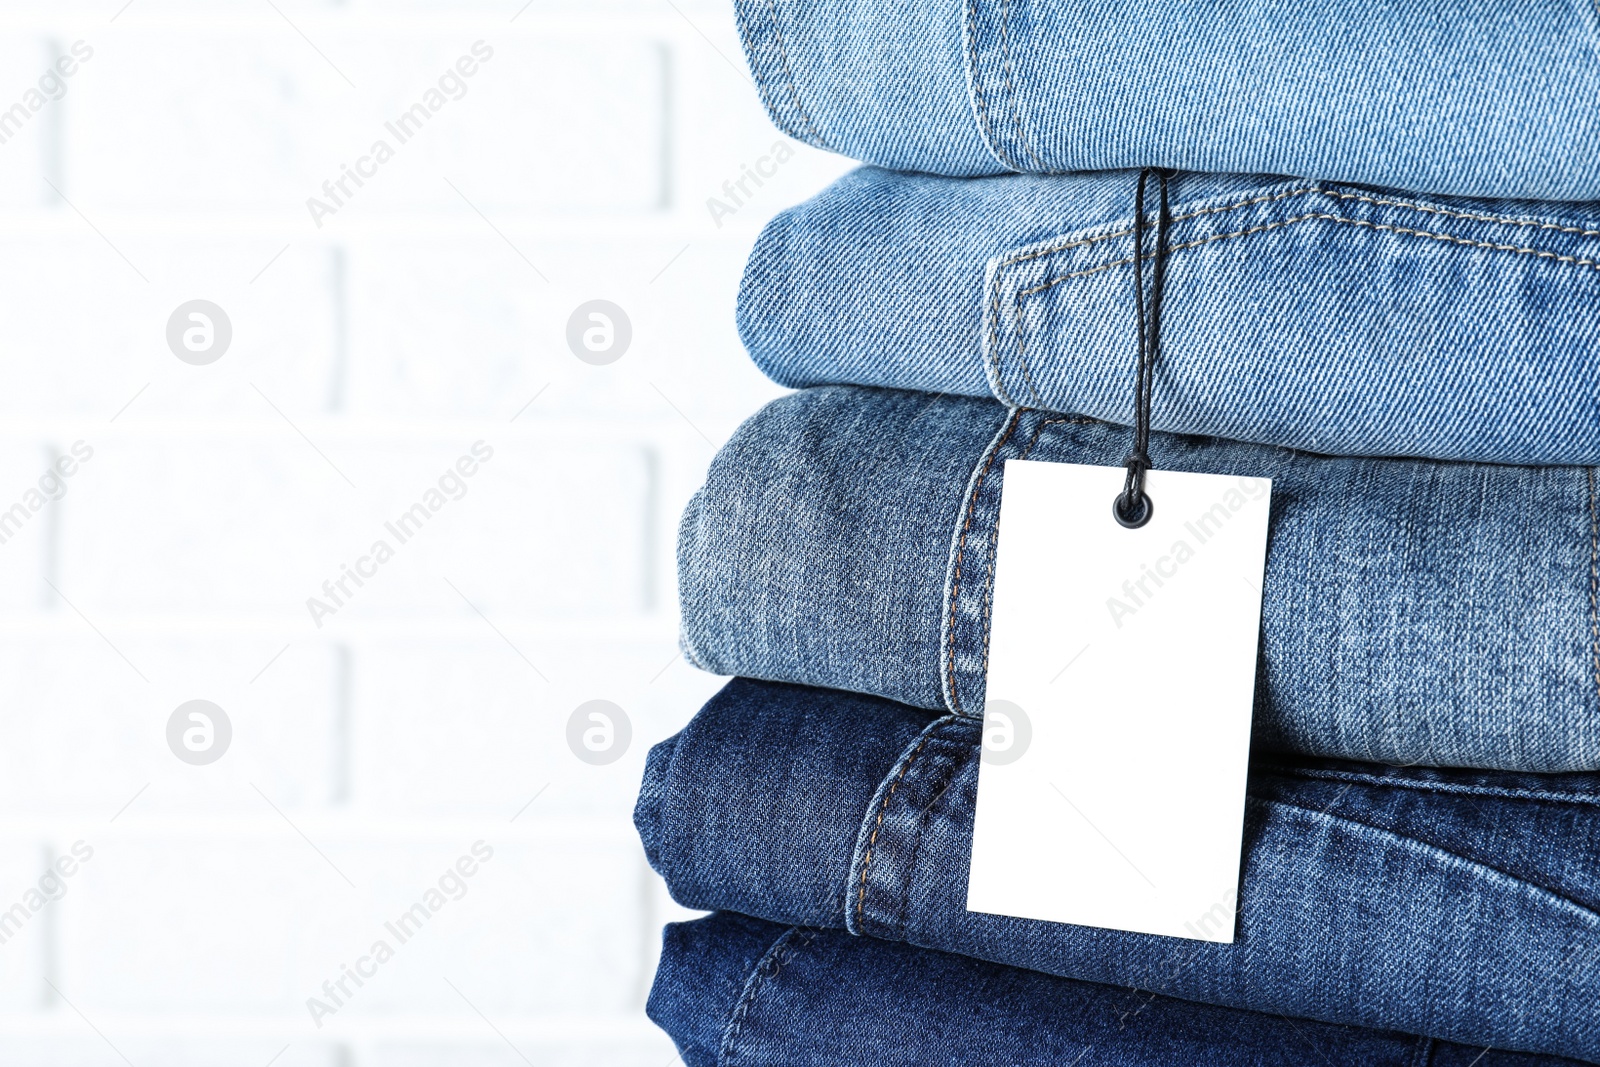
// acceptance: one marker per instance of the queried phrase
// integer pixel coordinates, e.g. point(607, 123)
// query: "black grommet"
point(1137, 518)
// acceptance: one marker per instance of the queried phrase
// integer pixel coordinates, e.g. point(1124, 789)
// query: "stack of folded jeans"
point(1415, 371)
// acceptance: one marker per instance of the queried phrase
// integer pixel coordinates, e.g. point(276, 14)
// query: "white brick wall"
point(430, 710)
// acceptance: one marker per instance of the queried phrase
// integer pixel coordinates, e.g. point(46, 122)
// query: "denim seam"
point(986, 125)
point(788, 74)
point(1022, 347)
point(776, 956)
point(919, 831)
point(994, 539)
point(991, 357)
point(866, 859)
point(1465, 216)
point(961, 544)
point(1323, 216)
point(1477, 867)
point(1003, 392)
point(1422, 786)
point(1024, 257)
point(994, 297)
point(1594, 578)
point(1011, 88)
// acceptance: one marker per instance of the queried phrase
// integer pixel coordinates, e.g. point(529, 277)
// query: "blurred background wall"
point(241, 347)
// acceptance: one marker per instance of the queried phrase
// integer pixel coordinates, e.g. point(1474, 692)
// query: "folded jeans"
point(1468, 97)
point(1340, 319)
point(731, 989)
point(1412, 612)
point(1462, 905)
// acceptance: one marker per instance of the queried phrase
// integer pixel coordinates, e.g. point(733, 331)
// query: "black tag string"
point(1133, 507)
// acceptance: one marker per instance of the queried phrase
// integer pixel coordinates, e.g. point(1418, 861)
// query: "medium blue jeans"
point(1463, 905)
point(1469, 97)
point(735, 990)
point(1337, 319)
point(1412, 612)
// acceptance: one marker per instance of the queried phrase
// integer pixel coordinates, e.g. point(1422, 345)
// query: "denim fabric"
point(1413, 612)
point(1338, 319)
point(731, 989)
point(1467, 97)
point(1457, 904)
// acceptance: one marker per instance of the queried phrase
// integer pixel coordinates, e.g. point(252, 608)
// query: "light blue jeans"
point(1412, 611)
point(1337, 319)
point(1465, 97)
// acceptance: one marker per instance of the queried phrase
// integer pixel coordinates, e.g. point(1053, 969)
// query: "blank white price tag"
point(1121, 676)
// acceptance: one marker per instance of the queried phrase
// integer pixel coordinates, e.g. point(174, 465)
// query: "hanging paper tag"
point(1122, 671)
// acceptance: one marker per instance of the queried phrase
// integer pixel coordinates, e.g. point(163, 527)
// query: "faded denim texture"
point(732, 989)
point(1412, 613)
point(1336, 319)
point(1467, 97)
point(1464, 905)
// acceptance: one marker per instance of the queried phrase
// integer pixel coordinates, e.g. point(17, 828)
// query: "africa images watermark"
point(766, 166)
point(51, 887)
point(336, 992)
point(402, 129)
point(52, 86)
point(52, 486)
point(402, 529)
point(1202, 528)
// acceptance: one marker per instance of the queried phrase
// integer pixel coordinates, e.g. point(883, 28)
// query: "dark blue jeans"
point(731, 989)
point(1463, 905)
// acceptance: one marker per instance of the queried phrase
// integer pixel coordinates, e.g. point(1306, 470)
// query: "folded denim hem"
point(1028, 297)
point(969, 589)
point(1474, 97)
point(764, 48)
point(938, 771)
point(1460, 904)
point(1413, 612)
point(1337, 319)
